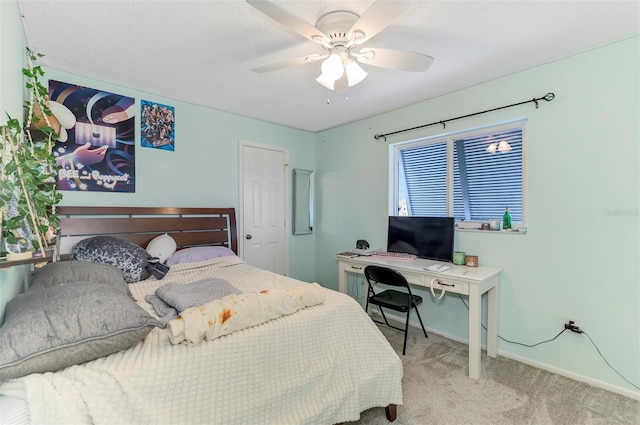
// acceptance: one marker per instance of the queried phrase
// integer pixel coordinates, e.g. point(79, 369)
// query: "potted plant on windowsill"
point(28, 193)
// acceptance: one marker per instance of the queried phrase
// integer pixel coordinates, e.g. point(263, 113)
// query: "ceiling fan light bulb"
point(327, 82)
point(332, 67)
point(355, 73)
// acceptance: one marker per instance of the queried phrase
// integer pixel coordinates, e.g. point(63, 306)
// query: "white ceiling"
point(202, 52)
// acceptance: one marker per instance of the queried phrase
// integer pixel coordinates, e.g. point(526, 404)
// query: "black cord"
point(516, 342)
point(608, 364)
point(527, 345)
point(552, 339)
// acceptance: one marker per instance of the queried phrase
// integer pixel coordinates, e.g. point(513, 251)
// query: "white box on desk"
point(368, 251)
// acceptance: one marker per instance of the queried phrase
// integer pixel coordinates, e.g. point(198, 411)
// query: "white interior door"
point(263, 207)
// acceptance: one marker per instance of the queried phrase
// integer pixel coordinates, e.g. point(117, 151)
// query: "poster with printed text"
point(96, 147)
point(157, 125)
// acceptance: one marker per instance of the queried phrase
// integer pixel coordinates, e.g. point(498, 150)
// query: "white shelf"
point(49, 257)
point(497, 232)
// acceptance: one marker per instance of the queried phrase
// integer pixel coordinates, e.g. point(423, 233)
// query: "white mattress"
point(321, 365)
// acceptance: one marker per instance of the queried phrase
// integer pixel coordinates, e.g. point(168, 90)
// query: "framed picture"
point(157, 125)
point(96, 152)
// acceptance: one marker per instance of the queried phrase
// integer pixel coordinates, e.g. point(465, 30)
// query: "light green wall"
point(579, 258)
point(12, 54)
point(204, 168)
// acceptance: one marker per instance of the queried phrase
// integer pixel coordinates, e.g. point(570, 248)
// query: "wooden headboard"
point(188, 226)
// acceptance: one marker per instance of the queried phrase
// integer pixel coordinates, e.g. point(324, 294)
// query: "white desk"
point(470, 281)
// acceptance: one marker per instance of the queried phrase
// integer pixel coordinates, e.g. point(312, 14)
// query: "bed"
point(322, 363)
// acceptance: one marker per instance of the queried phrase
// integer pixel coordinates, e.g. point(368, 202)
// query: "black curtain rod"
point(548, 97)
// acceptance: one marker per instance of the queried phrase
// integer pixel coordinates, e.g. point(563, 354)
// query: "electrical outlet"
point(571, 320)
point(571, 324)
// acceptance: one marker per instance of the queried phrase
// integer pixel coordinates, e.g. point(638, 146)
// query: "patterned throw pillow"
point(127, 256)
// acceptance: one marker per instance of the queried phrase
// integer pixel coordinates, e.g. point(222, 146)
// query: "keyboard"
point(394, 255)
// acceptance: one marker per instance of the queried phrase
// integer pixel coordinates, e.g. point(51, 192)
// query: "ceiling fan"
point(341, 34)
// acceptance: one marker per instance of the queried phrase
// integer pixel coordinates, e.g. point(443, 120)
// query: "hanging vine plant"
point(28, 193)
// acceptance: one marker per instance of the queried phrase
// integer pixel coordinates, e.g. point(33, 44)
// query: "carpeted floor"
point(437, 391)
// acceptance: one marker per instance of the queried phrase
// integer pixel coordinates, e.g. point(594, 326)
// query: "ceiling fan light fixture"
point(325, 81)
point(338, 32)
point(332, 67)
point(355, 73)
point(492, 148)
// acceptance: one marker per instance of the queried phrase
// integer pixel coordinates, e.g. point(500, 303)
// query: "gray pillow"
point(75, 271)
point(50, 328)
point(127, 256)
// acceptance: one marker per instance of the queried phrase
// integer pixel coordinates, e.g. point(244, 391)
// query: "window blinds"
point(484, 183)
point(425, 169)
point(493, 180)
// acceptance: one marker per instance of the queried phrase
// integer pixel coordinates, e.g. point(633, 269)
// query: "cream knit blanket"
point(234, 312)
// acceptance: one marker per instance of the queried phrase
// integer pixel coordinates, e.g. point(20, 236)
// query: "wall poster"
point(97, 153)
point(157, 125)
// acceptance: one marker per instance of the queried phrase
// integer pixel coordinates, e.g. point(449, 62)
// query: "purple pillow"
point(197, 254)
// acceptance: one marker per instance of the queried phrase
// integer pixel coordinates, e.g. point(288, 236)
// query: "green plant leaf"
point(29, 165)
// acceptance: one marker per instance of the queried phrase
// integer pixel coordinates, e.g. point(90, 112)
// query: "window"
point(471, 176)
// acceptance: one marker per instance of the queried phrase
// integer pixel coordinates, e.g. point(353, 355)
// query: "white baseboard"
point(575, 376)
point(635, 395)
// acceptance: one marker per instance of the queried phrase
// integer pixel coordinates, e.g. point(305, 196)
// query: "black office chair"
point(390, 298)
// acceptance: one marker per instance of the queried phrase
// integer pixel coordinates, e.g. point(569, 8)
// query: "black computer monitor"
point(426, 237)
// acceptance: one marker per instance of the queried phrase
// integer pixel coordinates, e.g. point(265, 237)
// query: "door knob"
point(247, 237)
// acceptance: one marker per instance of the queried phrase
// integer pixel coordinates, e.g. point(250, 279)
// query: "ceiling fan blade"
point(289, 20)
point(379, 15)
point(289, 63)
point(394, 59)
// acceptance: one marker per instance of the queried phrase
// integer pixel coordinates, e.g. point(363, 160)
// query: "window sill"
point(500, 232)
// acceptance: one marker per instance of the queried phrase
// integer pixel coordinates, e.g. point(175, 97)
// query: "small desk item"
point(470, 281)
point(471, 261)
point(440, 268)
point(364, 251)
point(347, 254)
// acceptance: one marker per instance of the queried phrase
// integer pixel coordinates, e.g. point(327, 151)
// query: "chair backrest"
point(385, 275)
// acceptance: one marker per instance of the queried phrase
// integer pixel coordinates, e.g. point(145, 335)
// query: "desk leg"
point(475, 331)
point(492, 322)
point(342, 277)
